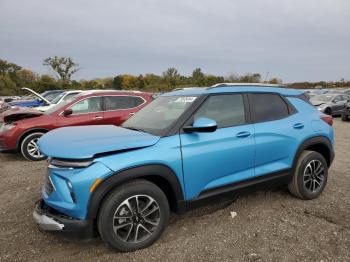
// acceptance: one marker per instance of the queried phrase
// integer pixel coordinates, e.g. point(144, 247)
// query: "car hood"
point(82, 142)
point(36, 94)
point(44, 108)
point(17, 113)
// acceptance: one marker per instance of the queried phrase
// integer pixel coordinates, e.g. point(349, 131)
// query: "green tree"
point(198, 77)
point(65, 67)
point(8, 68)
point(140, 82)
point(117, 82)
point(171, 77)
point(251, 78)
point(275, 80)
point(7, 86)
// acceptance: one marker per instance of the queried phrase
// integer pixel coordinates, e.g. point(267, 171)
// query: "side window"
point(226, 110)
point(344, 98)
point(121, 102)
point(267, 107)
point(337, 98)
point(88, 105)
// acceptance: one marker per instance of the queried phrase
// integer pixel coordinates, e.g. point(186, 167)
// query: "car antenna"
point(268, 72)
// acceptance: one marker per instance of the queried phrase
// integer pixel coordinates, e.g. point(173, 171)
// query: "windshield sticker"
point(185, 99)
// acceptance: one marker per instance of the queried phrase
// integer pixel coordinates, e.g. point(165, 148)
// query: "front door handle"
point(132, 113)
point(98, 117)
point(298, 125)
point(243, 134)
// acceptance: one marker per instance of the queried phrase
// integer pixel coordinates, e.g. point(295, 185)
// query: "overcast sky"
point(296, 40)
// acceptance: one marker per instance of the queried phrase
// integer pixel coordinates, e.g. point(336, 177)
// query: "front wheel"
point(344, 117)
point(133, 216)
point(30, 149)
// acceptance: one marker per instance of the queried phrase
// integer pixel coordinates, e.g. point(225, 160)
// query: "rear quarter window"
point(122, 102)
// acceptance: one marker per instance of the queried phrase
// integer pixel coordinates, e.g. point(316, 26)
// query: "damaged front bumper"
point(50, 219)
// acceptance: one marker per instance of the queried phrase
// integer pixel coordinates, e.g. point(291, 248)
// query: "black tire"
point(328, 111)
point(299, 186)
point(114, 202)
point(27, 145)
point(344, 117)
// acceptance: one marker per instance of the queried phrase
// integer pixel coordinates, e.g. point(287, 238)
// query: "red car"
point(22, 127)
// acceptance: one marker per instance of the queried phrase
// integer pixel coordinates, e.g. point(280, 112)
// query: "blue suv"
point(184, 148)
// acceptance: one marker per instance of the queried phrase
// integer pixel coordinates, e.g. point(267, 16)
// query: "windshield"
point(322, 98)
point(51, 95)
point(57, 98)
point(158, 116)
point(59, 105)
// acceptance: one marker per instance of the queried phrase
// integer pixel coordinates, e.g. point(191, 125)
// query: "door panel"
point(81, 119)
point(222, 157)
point(87, 111)
point(216, 159)
point(275, 142)
point(276, 132)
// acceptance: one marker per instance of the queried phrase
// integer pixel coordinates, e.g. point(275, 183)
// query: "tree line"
point(13, 77)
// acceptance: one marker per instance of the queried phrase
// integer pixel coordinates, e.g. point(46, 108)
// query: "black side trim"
point(162, 172)
point(266, 181)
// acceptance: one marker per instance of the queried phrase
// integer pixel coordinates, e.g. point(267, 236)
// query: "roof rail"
point(184, 88)
point(244, 84)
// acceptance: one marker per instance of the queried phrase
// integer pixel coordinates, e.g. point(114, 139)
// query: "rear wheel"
point(344, 117)
point(133, 216)
point(30, 149)
point(310, 177)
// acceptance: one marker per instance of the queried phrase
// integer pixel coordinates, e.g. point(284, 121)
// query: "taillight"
point(328, 119)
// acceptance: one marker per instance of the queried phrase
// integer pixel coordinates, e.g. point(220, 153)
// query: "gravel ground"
point(269, 226)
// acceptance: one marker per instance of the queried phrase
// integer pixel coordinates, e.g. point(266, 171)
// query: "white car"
point(64, 96)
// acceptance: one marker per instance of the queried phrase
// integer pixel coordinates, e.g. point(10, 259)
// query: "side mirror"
point(67, 112)
point(202, 125)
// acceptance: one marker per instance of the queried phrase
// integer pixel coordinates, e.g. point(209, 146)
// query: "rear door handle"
point(298, 125)
point(243, 134)
point(132, 113)
point(98, 117)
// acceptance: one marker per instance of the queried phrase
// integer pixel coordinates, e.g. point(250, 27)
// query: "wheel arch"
point(28, 132)
point(320, 144)
point(161, 175)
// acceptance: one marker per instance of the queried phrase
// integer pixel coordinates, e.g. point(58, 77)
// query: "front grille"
point(48, 186)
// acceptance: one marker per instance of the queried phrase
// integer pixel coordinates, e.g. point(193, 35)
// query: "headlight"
point(321, 107)
point(69, 163)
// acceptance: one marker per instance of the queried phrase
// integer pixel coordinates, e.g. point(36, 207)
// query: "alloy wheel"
point(136, 219)
point(314, 174)
point(33, 148)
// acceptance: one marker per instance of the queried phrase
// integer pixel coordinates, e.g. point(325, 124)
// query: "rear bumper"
point(49, 219)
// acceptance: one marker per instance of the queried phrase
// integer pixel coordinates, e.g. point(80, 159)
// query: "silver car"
point(330, 104)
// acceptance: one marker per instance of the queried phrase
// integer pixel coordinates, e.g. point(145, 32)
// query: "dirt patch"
point(269, 226)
